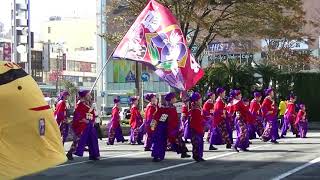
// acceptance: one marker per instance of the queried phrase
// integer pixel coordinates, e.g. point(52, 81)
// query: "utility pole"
point(58, 68)
point(57, 74)
point(29, 40)
point(21, 33)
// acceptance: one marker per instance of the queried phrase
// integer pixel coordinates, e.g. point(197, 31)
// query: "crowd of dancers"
point(162, 129)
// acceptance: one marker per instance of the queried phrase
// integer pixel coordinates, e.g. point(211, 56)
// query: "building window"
point(49, 30)
point(77, 66)
point(93, 67)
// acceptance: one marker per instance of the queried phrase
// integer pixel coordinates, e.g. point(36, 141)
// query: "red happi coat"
point(290, 111)
point(238, 106)
point(173, 122)
point(115, 120)
point(268, 108)
point(135, 119)
point(197, 119)
point(60, 112)
point(229, 109)
point(149, 114)
point(208, 108)
point(82, 112)
point(184, 110)
point(218, 112)
point(150, 110)
point(301, 116)
point(255, 108)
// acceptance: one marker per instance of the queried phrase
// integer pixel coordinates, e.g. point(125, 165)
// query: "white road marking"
point(286, 174)
point(182, 164)
point(111, 157)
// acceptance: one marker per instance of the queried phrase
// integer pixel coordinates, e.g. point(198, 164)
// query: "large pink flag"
point(155, 38)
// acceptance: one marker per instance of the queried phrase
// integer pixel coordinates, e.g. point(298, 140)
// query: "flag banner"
point(155, 38)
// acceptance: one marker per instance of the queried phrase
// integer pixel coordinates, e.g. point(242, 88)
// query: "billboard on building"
point(122, 69)
point(283, 43)
point(239, 50)
point(229, 47)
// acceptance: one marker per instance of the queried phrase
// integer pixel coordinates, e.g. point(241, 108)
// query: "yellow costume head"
point(29, 137)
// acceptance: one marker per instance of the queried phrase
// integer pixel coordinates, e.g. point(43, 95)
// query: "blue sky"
point(41, 10)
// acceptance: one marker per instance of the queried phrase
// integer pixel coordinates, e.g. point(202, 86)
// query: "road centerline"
point(292, 171)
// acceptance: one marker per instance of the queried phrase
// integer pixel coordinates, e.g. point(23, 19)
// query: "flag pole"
point(101, 71)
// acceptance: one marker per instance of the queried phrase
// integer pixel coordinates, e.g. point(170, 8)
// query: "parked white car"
point(123, 112)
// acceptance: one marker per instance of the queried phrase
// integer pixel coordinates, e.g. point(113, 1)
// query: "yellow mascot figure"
point(29, 136)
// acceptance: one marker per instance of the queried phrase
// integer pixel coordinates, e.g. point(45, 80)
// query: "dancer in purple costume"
point(269, 113)
point(149, 115)
point(289, 117)
point(302, 121)
point(60, 115)
point(115, 131)
point(197, 127)
point(83, 127)
point(242, 120)
point(219, 132)
point(207, 109)
point(135, 122)
point(255, 109)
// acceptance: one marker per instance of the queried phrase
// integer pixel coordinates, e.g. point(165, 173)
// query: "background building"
point(70, 47)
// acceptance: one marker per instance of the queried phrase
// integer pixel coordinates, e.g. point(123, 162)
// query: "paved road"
point(291, 159)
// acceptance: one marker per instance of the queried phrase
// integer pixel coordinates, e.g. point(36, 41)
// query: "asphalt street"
point(293, 158)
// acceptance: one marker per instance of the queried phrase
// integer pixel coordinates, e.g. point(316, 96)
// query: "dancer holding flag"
point(83, 127)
